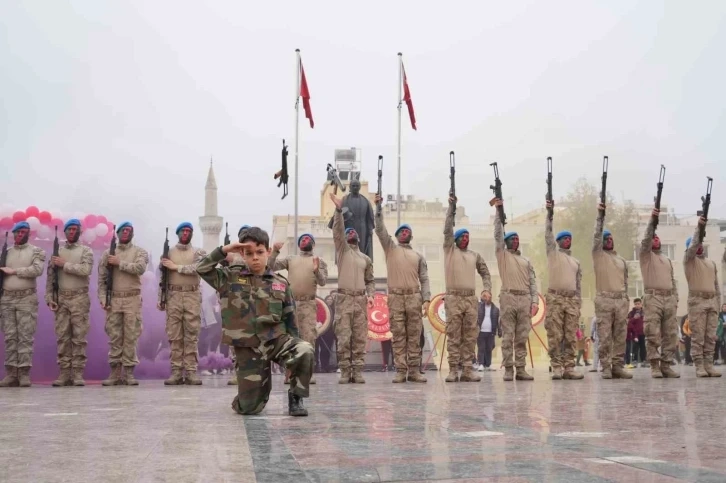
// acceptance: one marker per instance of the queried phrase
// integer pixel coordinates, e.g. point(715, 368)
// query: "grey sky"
point(116, 107)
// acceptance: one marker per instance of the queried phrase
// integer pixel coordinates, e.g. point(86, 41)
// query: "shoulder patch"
point(279, 286)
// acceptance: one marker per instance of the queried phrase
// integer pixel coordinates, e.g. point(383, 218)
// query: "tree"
point(576, 213)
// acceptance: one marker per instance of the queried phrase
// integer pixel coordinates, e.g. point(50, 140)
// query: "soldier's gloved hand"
point(379, 199)
point(169, 264)
point(8, 270)
point(535, 309)
point(53, 306)
point(276, 247)
point(105, 307)
point(158, 306)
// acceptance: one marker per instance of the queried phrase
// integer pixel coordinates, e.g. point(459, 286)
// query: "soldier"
point(704, 299)
point(183, 307)
point(355, 285)
point(660, 303)
point(460, 302)
point(409, 297)
point(518, 300)
point(258, 317)
point(74, 264)
point(564, 301)
point(611, 300)
point(19, 306)
point(123, 315)
point(306, 273)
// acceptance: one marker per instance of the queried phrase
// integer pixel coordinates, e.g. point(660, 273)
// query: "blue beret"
point(406, 226)
point(688, 242)
point(21, 224)
point(124, 225)
point(606, 233)
point(243, 227)
point(510, 234)
point(348, 230)
point(305, 234)
point(72, 222)
point(563, 234)
point(183, 225)
point(460, 232)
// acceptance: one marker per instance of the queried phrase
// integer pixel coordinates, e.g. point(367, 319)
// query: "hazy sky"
point(116, 107)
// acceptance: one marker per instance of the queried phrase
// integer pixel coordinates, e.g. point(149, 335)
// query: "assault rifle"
point(379, 206)
point(56, 252)
point(550, 210)
point(705, 204)
point(497, 188)
point(3, 262)
point(164, 284)
point(452, 181)
point(109, 274)
point(661, 179)
point(334, 179)
point(603, 192)
point(282, 174)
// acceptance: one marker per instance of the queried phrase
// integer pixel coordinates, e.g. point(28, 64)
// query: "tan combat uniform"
point(123, 319)
point(461, 303)
point(704, 304)
point(660, 304)
point(408, 289)
point(355, 281)
point(74, 303)
point(183, 313)
point(564, 302)
point(19, 312)
point(611, 305)
point(519, 292)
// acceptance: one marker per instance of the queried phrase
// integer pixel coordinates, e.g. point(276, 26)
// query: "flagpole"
point(400, 102)
point(297, 134)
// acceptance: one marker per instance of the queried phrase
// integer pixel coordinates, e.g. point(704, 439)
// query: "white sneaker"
point(480, 368)
point(205, 373)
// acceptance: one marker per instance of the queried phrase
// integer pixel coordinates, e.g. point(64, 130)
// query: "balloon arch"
point(97, 231)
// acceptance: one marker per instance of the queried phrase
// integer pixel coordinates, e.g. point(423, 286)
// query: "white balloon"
point(45, 233)
point(101, 230)
point(33, 222)
point(89, 236)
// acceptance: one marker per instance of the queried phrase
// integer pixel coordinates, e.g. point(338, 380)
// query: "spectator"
point(488, 322)
point(719, 355)
point(686, 331)
point(595, 344)
point(635, 336)
point(580, 335)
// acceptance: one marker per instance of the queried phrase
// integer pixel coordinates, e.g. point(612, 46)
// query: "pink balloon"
point(32, 211)
point(56, 222)
point(19, 216)
point(102, 219)
point(6, 222)
point(90, 221)
point(44, 217)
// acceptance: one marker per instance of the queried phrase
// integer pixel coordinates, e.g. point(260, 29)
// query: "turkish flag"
point(407, 98)
point(305, 94)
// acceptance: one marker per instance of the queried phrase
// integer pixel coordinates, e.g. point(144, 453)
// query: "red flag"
point(407, 98)
point(305, 94)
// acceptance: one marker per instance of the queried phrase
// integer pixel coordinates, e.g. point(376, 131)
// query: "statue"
point(358, 214)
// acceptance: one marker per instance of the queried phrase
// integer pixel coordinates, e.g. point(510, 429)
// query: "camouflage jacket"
point(255, 308)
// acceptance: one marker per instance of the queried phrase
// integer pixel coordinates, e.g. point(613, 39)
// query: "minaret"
point(210, 223)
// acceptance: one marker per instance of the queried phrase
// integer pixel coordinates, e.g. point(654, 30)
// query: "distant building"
point(211, 222)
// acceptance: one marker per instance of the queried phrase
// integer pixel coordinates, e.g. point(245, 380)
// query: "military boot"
point(556, 373)
point(572, 375)
point(607, 372)
point(414, 375)
point(114, 379)
point(357, 377)
point(522, 375)
point(655, 372)
point(24, 376)
point(619, 372)
point(344, 376)
point(129, 378)
point(708, 367)
point(64, 379)
point(175, 379)
point(192, 379)
point(453, 376)
point(700, 370)
point(468, 375)
point(509, 373)
point(77, 377)
point(295, 405)
point(399, 377)
point(667, 370)
point(312, 379)
point(11, 377)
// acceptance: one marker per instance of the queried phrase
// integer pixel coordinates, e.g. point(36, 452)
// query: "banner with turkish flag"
point(407, 98)
point(305, 94)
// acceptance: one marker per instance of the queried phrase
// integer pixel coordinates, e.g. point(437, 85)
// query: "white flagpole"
point(297, 134)
point(400, 102)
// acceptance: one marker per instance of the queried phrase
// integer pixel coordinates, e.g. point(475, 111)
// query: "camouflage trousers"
point(19, 312)
point(703, 318)
point(254, 380)
point(71, 328)
point(661, 327)
point(461, 329)
point(351, 330)
point(563, 318)
point(306, 316)
point(612, 329)
point(183, 324)
point(123, 327)
point(404, 314)
point(515, 319)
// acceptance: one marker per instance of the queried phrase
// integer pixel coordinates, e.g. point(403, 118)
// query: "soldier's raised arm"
point(693, 247)
point(499, 245)
point(382, 233)
point(339, 229)
point(597, 241)
point(278, 265)
point(449, 225)
point(207, 269)
point(646, 246)
point(550, 243)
